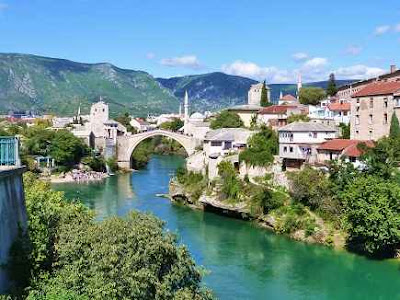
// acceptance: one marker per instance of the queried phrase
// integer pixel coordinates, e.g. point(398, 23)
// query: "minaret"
point(180, 109)
point(299, 85)
point(280, 96)
point(186, 108)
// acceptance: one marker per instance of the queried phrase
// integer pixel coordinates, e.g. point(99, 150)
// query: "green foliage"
point(264, 199)
point(311, 95)
point(383, 159)
point(331, 90)
point(96, 163)
point(262, 147)
point(141, 154)
point(193, 182)
point(68, 255)
point(264, 96)
point(67, 149)
point(372, 210)
point(394, 127)
point(226, 119)
point(344, 131)
point(173, 125)
point(125, 119)
point(112, 163)
point(231, 185)
point(298, 118)
point(312, 188)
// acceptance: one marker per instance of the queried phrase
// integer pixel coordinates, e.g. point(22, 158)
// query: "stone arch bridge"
point(127, 144)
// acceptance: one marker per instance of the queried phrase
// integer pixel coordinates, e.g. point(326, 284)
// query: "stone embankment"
point(77, 176)
point(324, 235)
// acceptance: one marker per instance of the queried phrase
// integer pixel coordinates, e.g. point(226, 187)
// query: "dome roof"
point(197, 116)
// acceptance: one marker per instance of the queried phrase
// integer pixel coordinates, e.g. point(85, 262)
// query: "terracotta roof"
point(348, 147)
point(339, 106)
point(378, 88)
point(276, 109)
point(288, 98)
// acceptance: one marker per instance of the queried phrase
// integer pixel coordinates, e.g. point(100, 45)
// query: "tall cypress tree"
point(264, 96)
point(331, 90)
point(394, 127)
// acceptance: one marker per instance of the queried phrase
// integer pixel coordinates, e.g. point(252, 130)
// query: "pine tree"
point(332, 88)
point(394, 127)
point(264, 96)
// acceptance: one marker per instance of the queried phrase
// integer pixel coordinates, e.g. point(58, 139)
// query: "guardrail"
point(9, 151)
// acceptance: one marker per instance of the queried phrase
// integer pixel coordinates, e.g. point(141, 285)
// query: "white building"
point(298, 142)
point(139, 124)
point(225, 140)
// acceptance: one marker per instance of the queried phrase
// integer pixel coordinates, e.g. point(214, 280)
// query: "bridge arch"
point(127, 144)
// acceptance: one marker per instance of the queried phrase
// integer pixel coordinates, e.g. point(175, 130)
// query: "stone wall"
point(12, 216)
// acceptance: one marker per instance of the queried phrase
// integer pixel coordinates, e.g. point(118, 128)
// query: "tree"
point(264, 96)
point(70, 255)
point(67, 149)
point(331, 90)
point(311, 95)
point(262, 146)
point(226, 119)
point(173, 125)
point(344, 131)
point(231, 185)
point(394, 127)
point(298, 117)
point(372, 210)
point(125, 119)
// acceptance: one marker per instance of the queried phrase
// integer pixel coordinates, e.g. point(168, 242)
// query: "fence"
point(9, 152)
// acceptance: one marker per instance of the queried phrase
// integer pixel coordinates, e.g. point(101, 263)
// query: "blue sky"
point(261, 39)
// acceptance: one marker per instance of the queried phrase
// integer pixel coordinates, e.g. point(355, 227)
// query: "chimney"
point(393, 68)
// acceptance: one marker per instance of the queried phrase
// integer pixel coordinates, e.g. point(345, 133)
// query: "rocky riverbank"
point(77, 176)
point(315, 231)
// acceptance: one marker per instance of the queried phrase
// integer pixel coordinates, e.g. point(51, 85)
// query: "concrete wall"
point(12, 215)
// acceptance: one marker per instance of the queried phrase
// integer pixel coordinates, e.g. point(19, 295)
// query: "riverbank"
point(296, 222)
point(76, 176)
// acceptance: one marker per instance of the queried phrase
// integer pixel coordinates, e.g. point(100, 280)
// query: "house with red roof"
point(372, 108)
point(288, 99)
point(276, 115)
point(349, 150)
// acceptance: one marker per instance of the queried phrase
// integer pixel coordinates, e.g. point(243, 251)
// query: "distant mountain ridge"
point(52, 85)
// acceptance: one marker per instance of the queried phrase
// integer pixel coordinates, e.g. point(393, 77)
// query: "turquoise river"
point(243, 260)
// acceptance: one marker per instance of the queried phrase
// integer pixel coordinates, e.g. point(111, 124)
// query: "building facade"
point(372, 109)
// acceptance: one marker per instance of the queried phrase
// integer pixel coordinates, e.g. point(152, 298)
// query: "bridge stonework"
point(127, 144)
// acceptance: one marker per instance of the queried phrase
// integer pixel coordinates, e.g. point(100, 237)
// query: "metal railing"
point(9, 151)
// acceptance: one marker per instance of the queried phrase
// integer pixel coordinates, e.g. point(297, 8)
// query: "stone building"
point(254, 94)
point(372, 108)
point(345, 92)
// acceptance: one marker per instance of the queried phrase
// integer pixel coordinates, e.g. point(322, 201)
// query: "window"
point(385, 102)
point(371, 103)
point(358, 100)
point(285, 149)
point(357, 132)
point(357, 120)
point(216, 143)
point(385, 118)
point(370, 119)
point(291, 149)
point(315, 135)
point(370, 134)
point(357, 109)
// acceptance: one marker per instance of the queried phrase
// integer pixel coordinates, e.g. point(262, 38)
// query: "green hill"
point(29, 82)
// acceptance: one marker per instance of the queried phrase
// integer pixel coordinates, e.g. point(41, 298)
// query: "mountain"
point(50, 85)
point(214, 91)
point(210, 91)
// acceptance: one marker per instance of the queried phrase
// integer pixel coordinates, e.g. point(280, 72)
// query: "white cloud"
point(358, 72)
point(353, 50)
point(150, 55)
point(186, 61)
point(300, 56)
point(252, 70)
point(316, 62)
point(382, 29)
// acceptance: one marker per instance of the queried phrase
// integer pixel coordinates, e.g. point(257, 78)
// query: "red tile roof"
point(348, 147)
point(339, 106)
point(276, 109)
point(378, 88)
point(288, 98)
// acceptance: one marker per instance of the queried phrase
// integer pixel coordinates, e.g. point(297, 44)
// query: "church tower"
point(186, 108)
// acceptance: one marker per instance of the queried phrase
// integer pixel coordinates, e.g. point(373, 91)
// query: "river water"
point(244, 261)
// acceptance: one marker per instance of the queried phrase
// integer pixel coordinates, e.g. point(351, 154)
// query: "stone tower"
point(99, 114)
